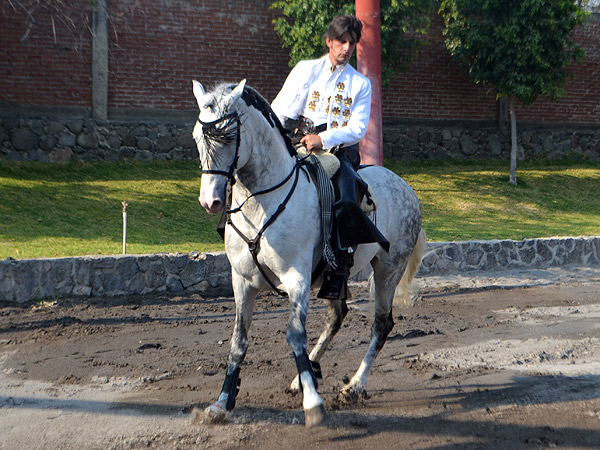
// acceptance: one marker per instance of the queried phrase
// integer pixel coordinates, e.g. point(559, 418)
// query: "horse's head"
point(217, 135)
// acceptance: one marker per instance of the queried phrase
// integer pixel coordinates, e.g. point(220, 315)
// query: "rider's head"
point(344, 25)
point(342, 36)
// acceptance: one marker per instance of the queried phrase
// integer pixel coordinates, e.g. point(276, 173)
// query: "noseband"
point(210, 130)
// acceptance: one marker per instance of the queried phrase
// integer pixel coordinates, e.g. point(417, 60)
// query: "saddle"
point(331, 164)
point(353, 197)
point(345, 200)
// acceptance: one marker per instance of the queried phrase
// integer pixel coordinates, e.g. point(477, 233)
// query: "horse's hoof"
point(214, 414)
point(351, 393)
point(314, 416)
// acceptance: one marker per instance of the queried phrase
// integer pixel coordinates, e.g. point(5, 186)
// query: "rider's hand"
point(312, 142)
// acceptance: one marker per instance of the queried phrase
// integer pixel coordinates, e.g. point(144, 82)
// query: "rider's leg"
point(349, 190)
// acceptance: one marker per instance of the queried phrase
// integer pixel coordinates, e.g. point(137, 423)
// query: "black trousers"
point(351, 224)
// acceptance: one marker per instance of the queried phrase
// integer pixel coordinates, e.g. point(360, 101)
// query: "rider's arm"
point(290, 101)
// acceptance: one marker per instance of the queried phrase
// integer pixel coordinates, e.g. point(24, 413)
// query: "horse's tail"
point(406, 294)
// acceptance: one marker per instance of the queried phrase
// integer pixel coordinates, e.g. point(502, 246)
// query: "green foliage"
point(303, 23)
point(522, 48)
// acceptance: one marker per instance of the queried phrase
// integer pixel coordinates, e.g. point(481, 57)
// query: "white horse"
point(273, 236)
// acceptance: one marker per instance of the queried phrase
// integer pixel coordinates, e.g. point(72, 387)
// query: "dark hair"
point(342, 25)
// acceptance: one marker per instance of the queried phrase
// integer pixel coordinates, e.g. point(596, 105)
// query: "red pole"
point(368, 56)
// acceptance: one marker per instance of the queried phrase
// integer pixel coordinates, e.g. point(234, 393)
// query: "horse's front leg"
point(244, 307)
point(336, 312)
point(314, 411)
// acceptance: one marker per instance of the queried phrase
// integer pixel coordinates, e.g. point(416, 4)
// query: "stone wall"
point(450, 257)
point(210, 274)
point(24, 280)
point(56, 139)
point(409, 142)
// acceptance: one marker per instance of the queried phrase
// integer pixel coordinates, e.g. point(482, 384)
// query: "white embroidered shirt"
point(341, 99)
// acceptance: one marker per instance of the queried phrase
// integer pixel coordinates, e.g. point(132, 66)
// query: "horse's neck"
point(269, 162)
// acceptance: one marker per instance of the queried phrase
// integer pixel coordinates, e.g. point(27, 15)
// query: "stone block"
point(468, 145)
point(88, 140)
point(24, 140)
point(156, 275)
point(143, 143)
point(186, 140)
point(164, 144)
point(61, 155)
point(67, 139)
point(129, 140)
point(48, 142)
point(75, 126)
point(174, 284)
point(126, 267)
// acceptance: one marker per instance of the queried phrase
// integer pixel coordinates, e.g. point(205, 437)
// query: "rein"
point(212, 132)
point(254, 244)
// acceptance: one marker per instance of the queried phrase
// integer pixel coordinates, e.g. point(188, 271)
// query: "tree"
point(520, 48)
point(304, 22)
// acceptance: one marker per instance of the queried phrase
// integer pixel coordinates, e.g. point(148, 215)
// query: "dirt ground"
point(463, 369)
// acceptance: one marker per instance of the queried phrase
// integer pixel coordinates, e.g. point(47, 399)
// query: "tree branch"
point(30, 22)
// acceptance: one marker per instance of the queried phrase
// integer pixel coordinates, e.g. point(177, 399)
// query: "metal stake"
point(124, 227)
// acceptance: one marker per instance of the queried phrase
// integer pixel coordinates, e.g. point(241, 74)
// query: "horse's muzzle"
point(213, 206)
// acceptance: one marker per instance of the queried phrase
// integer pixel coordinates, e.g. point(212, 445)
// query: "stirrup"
point(335, 286)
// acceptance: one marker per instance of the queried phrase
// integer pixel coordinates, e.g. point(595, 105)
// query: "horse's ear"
point(235, 95)
point(199, 92)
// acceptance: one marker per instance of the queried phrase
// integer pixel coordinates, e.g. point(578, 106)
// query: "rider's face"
point(340, 50)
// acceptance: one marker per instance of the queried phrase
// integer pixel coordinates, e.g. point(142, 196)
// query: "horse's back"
point(398, 214)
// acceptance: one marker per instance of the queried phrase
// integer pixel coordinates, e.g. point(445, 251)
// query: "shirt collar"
point(339, 68)
point(329, 66)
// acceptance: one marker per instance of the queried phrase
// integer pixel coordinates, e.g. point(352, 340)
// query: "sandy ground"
point(490, 361)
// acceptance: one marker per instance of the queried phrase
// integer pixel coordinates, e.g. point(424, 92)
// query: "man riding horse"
point(327, 104)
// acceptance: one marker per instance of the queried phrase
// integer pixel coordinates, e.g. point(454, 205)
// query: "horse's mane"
point(253, 98)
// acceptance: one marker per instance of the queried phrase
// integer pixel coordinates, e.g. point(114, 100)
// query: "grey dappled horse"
point(273, 237)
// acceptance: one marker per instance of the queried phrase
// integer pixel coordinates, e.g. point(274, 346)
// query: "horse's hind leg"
point(385, 282)
point(244, 306)
point(336, 312)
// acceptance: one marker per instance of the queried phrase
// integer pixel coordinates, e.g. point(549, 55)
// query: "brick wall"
point(51, 67)
point(436, 87)
point(581, 102)
point(173, 42)
point(158, 47)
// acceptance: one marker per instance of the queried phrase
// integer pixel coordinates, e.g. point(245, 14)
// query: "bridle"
point(210, 130)
point(213, 133)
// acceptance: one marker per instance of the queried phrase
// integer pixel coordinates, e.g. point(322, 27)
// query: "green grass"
point(50, 210)
point(473, 199)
